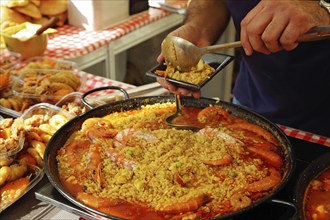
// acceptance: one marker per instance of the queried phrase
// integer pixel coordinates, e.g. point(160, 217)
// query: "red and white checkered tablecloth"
point(306, 136)
point(71, 42)
point(92, 81)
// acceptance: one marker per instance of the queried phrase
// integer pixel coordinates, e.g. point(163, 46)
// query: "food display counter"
point(87, 48)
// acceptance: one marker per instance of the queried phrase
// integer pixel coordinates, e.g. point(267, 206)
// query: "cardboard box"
point(97, 14)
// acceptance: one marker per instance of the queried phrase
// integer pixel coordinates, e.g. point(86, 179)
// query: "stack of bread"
point(13, 12)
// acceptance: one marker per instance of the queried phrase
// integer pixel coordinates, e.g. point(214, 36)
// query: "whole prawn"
point(267, 183)
point(230, 141)
point(190, 205)
point(76, 150)
point(119, 159)
point(255, 129)
point(98, 128)
point(130, 136)
point(212, 115)
point(97, 202)
point(268, 156)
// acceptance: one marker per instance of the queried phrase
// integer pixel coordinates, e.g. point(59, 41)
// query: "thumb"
point(160, 58)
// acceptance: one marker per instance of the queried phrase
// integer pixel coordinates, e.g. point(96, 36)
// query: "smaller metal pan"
point(216, 60)
point(313, 170)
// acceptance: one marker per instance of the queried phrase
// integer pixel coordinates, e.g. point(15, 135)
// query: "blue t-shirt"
point(288, 87)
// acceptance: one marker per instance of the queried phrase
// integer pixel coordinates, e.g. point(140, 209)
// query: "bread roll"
point(30, 10)
point(16, 3)
point(53, 7)
point(8, 14)
point(36, 2)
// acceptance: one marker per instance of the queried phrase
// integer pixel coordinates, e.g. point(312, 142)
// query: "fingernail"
point(247, 52)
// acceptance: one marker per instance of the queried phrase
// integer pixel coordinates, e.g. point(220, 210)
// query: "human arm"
point(204, 23)
point(276, 25)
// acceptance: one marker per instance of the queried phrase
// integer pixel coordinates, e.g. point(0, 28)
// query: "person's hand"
point(189, 33)
point(276, 25)
point(177, 90)
point(193, 35)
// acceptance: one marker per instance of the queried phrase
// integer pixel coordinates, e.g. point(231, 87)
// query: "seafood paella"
point(132, 165)
point(198, 74)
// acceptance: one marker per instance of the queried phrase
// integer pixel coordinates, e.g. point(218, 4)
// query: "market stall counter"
point(45, 202)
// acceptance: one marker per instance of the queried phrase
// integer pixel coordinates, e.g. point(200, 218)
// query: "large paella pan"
point(140, 168)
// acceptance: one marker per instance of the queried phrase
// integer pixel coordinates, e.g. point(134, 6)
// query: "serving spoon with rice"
point(185, 55)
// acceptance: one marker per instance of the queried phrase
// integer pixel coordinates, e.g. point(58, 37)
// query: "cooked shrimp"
point(75, 150)
point(182, 207)
point(97, 202)
point(255, 129)
point(119, 159)
point(214, 114)
point(95, 128)
point(12, 172)
point(95, 164)
point(225, 160)
point(239, 201)
point(266, 183)
point(131, 136)
point(264, 145)
point(229, 140)
point(268, 156)
point(216, 133)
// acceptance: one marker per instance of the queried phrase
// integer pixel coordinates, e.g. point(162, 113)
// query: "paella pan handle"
point(83, 97)
point(288, 204)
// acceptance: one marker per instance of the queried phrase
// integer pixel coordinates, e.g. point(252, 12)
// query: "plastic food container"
point(6, 89)
point(12, 104)
point(45, 63)
point(45, 109)
point(8, 59)
point(49, 86)
point(35, 174)
point(17, 143)
point(73, 104)
point(4, 78)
